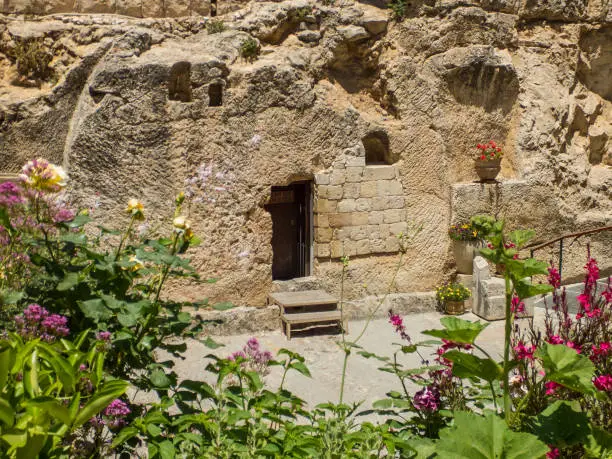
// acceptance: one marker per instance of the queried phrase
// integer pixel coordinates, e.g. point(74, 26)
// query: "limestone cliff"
point(147, 107)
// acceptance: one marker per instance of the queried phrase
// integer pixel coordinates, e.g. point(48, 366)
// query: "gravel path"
point(364, 382)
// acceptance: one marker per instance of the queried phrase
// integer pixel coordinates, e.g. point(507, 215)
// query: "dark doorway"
point(179, 83)
point(291, 210)
point(215, 95)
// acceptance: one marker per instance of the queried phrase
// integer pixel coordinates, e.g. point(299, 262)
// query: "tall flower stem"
point(347, 346)
point(125, 236)
point(508, 331)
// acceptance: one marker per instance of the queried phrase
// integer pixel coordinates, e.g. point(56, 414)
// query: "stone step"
point(308, 298)
point(312, 317)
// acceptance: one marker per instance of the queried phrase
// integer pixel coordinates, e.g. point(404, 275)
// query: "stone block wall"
point(134, 8)
point(358, 209)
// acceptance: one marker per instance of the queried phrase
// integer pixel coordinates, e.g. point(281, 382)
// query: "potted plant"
point(465, 242)
point(453, 297)
point(488, 161)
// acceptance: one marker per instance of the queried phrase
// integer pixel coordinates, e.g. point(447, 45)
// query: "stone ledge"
point(245, 319)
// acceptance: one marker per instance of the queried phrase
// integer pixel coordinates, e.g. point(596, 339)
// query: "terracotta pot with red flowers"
point(488, 161)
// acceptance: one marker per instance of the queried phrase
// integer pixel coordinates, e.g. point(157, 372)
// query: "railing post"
point(561, 260)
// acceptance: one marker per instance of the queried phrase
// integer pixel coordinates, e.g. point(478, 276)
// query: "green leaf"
point(485, 437)
point(369, 355)
point(211, 343)
point(5, 220)
point(95, 309)
point(458, 330)
point(520, 269)
point(53, 407)
point(467, 366)
point(124, 435)
point(525, 289)
point(69, 281)
point(100, 400)
point(565, 366)
point(159, 378)
point(598, 444)
point(562, 424)
point(10, 296)
point(7, 414)
point(5, 366)
point(521, 237)
point(79, 221)
point(300, 368)
point(224, 306)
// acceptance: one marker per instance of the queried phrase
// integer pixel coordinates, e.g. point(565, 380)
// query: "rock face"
point(379, 117)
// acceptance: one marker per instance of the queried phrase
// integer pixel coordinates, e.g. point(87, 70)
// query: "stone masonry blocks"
point(359, 209)
point(379, 173)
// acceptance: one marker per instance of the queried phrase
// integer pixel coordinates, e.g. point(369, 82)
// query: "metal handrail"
point(560, 239)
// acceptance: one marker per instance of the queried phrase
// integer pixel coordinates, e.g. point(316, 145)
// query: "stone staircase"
point(307, 309)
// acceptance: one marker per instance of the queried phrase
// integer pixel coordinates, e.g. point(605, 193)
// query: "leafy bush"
point(249, 49)
point(50, 390)
point(32, 59)
point(398, 9)
point(215, 26)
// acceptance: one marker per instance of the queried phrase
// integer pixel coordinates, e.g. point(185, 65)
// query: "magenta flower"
point(553, 453)
point(554, 278)
point(600, 351)
point(592, 272)
point(103, 336)
point(35, 322)
point(603, 383)
point(116, 412)
point(517, 306)
point(555, 339)
point(551, 387)
point(524, 352)
point(398, 323)
point(427, 399)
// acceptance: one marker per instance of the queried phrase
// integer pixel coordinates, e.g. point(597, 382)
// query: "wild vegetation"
point(85, 314)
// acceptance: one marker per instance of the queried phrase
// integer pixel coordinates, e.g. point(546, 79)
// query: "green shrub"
point(32, 59)
point(249, 49)
point(215, 26)
point(398, 9)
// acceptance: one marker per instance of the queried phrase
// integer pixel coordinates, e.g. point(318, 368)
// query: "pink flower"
point(524, 352)
point(398, 324)
point(554, 278)
point(555, 339)
point(592, 272)
point(427, 399)
point(551, 387)
point(553, 453)
point(603, 383)
point(600, 351)
point(584, 301)
point(517, 306)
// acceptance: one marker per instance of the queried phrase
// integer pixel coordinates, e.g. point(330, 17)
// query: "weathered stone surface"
point(491, 299)
point(427, 89)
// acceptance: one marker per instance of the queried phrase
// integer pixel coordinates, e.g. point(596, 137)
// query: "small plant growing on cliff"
point(32, 60)
point(249, 49)
point(215, 26)
point(398, 9)
point(301, 13)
